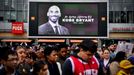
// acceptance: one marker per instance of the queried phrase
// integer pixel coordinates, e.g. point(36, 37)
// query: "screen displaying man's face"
point(54, 13)
point(80, 21)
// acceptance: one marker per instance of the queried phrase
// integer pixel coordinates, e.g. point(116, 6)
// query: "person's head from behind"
point(120, 56)
point(87, 49)
point(126, 66)
point(40, 68)
point(3, 54)
point(54, 13)
point(133, 52)
point(50, 53)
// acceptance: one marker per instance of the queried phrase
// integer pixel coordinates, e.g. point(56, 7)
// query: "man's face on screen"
point(54, 13)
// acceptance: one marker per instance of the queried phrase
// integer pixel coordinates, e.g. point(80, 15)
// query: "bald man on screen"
point(52, 27)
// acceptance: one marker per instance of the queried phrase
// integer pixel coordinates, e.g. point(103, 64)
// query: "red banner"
point(17, 27)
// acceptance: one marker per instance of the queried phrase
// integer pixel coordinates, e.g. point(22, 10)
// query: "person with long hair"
point(105, 62)
point(114, 66)
point(51, 57)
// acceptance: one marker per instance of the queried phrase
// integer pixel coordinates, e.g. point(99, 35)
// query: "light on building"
point(103, 19)
point(33, 18)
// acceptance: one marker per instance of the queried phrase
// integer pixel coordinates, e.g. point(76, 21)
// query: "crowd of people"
point(84, 59)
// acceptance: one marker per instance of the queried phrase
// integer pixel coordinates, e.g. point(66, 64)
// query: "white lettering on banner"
point(17, 27)
point(72, 16)
point(84, 20)
point(68, 20)
point(78, 19)
point(90, 72)
point(80, 73)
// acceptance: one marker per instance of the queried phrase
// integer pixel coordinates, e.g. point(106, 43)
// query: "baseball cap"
point(126, 64)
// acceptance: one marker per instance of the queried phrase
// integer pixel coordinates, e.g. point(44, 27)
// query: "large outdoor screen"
point(74, 19)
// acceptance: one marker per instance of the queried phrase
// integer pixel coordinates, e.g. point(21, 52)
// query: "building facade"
point(12, 11)
point(121, 17)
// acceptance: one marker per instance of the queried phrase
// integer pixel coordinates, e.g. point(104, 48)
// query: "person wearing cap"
point(84, 62)
point(125, 66)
